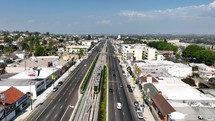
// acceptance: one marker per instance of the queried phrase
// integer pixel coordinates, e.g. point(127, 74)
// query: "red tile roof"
point(164, 107)
point(12, 95)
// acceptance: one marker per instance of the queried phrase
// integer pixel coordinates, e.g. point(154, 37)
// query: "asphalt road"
point(59, 105)
point(118, 94)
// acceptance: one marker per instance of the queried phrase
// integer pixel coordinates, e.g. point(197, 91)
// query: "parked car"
point(136, 103)
point(129, 86)
point(55, 89)
point(119, 106)
point(59, 83)
point(139, 115)
point(130, 90)
point(138, 109)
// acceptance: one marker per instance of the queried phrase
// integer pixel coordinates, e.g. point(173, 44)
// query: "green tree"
point(161, 45)
point(191, 50)
point(8, 40)
point(81, 53)
point(40, 51)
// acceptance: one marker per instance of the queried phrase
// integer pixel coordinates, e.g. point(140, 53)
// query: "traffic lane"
point(111, 109)
point(125, 89)
point(54, 101)
point(111, 114)
point(119, 113)
point(123, 113)
point(117, 98)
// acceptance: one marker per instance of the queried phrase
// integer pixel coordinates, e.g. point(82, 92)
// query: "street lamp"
point(30, 95)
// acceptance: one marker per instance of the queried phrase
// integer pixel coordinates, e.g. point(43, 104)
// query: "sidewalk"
point(42, 97)
point(138, 96)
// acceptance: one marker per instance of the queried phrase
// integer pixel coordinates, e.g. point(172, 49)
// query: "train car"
point(97, 83)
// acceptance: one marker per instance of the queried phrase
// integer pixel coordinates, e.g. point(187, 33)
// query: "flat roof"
point(32, 74)
point(39, 62)
point(181, 92)
point(192, 113)
point(17, 82)
point(7, 75)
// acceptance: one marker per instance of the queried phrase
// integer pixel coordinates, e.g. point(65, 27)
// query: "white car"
point(140, 115)
point(119, 106)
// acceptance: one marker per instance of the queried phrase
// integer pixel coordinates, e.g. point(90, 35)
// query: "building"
point(35, 79)
point(41, 62)
point(76, 48)
point(12, 103)
point(164, 68)
point(139, 52)
point(188, 103)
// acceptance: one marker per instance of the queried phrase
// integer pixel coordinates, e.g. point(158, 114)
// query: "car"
point(120, 85)
point(59, 83)
point(138, 109)
point(119, 106)
point(114, 75)
point(55, 89)
point(110, 90)
point(139, 115)
point(130, 90)
point(200, 117)
point(136, 103)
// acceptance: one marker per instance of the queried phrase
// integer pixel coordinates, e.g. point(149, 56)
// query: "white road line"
point(47, 116)
point(54, 107)
point(44, 110)
point(55, 116)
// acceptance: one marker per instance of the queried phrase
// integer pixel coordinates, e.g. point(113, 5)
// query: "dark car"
point(129, 86)
point(114, 75)
point(60, 83)
point(110, 90)
point(55, 89)
point(136, 103)
point(130, 90)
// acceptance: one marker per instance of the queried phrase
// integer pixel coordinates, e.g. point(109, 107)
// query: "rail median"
point(88, 76)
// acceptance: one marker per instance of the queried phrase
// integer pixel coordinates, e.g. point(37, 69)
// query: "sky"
point(109, 16)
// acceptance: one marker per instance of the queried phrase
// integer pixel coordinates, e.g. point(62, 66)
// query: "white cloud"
point(104, 22)
point(132, 14)
point(201, 11)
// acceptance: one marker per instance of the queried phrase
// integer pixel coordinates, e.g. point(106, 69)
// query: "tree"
point(1, 47)
point(191, 50)
point(88, 37)
point(8, 40)
point(81, 53)
point(40, 51)
point(161, 45)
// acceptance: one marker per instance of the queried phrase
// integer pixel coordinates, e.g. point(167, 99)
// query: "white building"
point(30, 80)
point(88, 43)
point(164, 68)
point(139, 52)
point(76, 49)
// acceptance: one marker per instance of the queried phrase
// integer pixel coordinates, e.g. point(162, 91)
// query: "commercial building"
point(12, 102)
point(182, 101)
point(36, 76)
